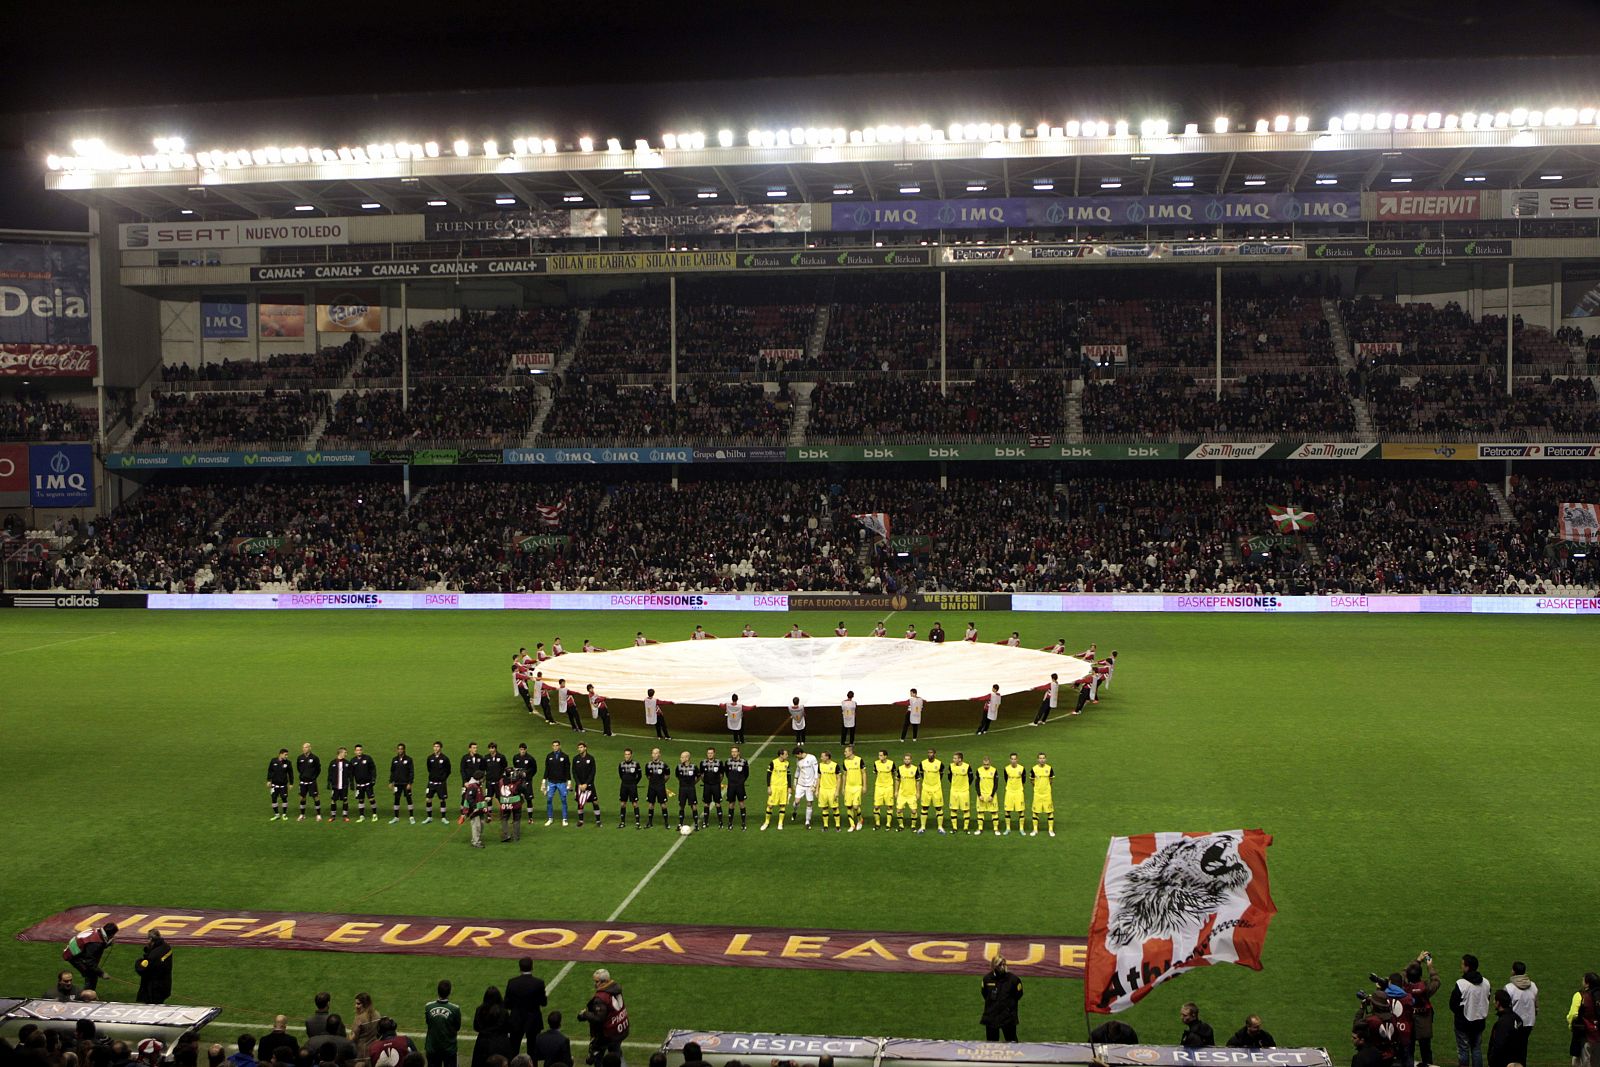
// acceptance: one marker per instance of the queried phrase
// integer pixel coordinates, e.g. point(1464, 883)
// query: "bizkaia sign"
point(256, 233)
point(1428, 207)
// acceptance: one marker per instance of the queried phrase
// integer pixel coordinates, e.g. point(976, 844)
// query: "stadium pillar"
point(672, 347)
point(1511, 281)
point(944, 383)
point(1217, 315)
point(405, 349)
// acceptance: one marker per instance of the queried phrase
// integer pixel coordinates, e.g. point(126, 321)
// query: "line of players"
point(905, 795)
point(529, 685)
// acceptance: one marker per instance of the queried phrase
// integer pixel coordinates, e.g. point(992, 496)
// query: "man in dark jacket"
point(317, 1021)
point(1368, 1054)
point(276, 1038)
point(1001, 991)
point(86, 950)
point(525, 1000)
point(64, 988)
point(155, 971)
point(1196, 1031)
point(1508, 1040)
point(1422, 991)
point(552, 1046)
point(1252, 1035)
point(607, 1016)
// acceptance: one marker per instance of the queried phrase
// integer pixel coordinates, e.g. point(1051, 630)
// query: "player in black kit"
point(472, 765)
point(628, 773)
point(655, 790)
point(687, 773)
point(339, 785)
point(402, 772)
point(309, 767)
point(438, 784)
point(495, 768)
point(364, 776)
point(280, 772)
point(737, 772)
point(529, 766)
point(583, 775)
point(710, 788)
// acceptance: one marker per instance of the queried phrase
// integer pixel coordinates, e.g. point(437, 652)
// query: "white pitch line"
point(660, 863)
point(53, 644)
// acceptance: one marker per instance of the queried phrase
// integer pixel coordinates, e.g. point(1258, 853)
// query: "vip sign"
point(60, 476)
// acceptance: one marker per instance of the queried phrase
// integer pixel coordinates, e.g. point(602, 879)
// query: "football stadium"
point(837, 575)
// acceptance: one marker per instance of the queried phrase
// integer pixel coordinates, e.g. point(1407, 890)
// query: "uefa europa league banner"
point(44, 293)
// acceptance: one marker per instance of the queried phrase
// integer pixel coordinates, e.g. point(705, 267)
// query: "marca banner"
point(715, 218)
point(224, 317)
point(60, 476)
point(1370, 349)
point(1247, 208)
point(1441, 451)
point(1428, 207)
point(1580, 522)
point(349, 311)
point(1105, 354)
point(1171, 902)
point(1230, 450)
point(44, 293)
point(1556, 203)
point(280, 317)
point(719, 1047)
point(728, 946)
point(1475, 249)
point(782, 354)
point(13, 468)
point(256, 233)
point(517, 225)
point(49, 361)
point(533, 360)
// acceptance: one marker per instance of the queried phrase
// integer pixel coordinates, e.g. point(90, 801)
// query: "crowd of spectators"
point(585, 412)
point(1452, 405)
point(281, 418)
point(477, 415)
point(478, 344)
point(883, 324)
point(328, 364)
point(906, 411)
point(1432, 335)
point(30, 415)
point(1167, 403)
point(484, 531)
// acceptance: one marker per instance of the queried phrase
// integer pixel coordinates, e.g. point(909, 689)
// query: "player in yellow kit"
point(855, 783)
point(932, 789)
point(988, 779)
point(883, 790)
point(1044, 801)
point(777, 788)
point(905, 797)
point(828, 789)
point(960, 774)
point(1016, 777)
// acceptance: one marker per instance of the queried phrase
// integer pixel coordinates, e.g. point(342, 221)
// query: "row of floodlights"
point(171, 153)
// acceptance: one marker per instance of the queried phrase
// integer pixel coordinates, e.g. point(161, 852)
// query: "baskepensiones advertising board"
point(1344, 603)
point(396, 601)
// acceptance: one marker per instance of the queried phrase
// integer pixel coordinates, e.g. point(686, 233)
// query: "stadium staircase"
point(1347, 363)
point(819, 325)
point(336, 394)
point(800, 411)
point(1073, 413)
point(547, 397)
point(1502, 506)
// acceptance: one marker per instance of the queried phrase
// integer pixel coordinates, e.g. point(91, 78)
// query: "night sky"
point(242, 73)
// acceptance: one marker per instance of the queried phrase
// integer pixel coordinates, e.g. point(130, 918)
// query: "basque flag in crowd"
point(1290, 518)
point(551, 514)
point(1171, 902)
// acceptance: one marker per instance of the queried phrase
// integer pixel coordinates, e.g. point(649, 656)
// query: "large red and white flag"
point(551, 514)
point(1580, 522)
point(877, 522)
point(1171, 902)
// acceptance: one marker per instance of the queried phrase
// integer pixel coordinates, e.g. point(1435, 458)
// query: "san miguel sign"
point(727, 946)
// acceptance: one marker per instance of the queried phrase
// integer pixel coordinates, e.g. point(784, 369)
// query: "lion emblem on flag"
point(1578, 516)
point(1176, 889)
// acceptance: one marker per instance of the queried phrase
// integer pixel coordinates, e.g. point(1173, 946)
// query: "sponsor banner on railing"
point(1104, 354)
point(1230, 450)
point(785, 354)
point(517, 225)
point(72, 601)
point(1258, 208)
point(224, 317)
point(386, 601)
point(900, 601)
point(907, 1050)
point(1550, 450)
point(638, 262)
point(49, 361)
point(437, 457)
point(60, 476)
point(560, 456)
point(1555, 203)
point(430, 268)
point(254, 233)
point(1377, 348)
point(1332, 450)
point(1428, 207)
point(715, 219)
point(133, 461)
point(533, 360)
point(741, 454)
point(1182, 1056)
point(1430, 451)
point(1375, 604)
point(280, 317)
point(349, 311)
point(833, 259)
point(1477, 249)
point(721, 1047)
point(44, 293)
point(880, 453)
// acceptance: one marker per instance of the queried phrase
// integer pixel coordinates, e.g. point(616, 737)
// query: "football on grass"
point(685, 830)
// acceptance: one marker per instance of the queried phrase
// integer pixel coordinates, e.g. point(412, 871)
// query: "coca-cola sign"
point(49, 361)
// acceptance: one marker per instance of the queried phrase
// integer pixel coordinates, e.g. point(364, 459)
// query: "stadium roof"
point(1349, 153)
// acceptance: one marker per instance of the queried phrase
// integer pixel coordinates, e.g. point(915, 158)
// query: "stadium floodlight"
point(1336, 124)
point(1469, 120)
point(274, 154)
point(258, 157)
point(843, 190)
point(1434, 120)
point(572, 198)
point(777, 192)
point(1519, 115)
point(725, 138)
point(52, 161)
point(781, 138)
point(1280, 124)
point(980, 187)
point(639, 195)
point(1402, 120)
point(768, 139)
point(1041, 131)
point(1326, 179)
point(1042, 186)
point(505, 201)
point(1400, 179)
point(1475, 178)
point(438, 203)
point(1183, 183)
point(641, 145)
point(1549, 177)
point(1111, 183)
point(461, 147)
point(431, 148)
point(586, 144)
point(1191, 129)
point(550, 146)
point(1502, 119)
point(1071, 128)
point(669, 140)
point(175, 144)
point(753, 138)
point(1385, 120)
point(1369, 121)
point(345, 155)
point(1221, 124)
point(1536, 118)
point(1263, 126)
point(910, 190)
point(491, 150)
point(613, 144)
point(1302, 123)
point(304, 207)
point(370, 206)
point(1586, 116)
point(1014, 131)
point(1122, 127)
point(185, 211)
point(797, 135)
point(519, 146)
point(706, 194)
point(1254, 180)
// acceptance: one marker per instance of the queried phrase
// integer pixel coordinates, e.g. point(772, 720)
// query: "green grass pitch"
point(1429, 782)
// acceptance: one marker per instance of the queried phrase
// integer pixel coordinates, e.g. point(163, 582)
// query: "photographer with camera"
point(1422, 992)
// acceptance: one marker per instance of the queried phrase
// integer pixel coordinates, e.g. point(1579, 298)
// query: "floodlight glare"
point(1221, 124)
point(1280, 124)
point(725, 138)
